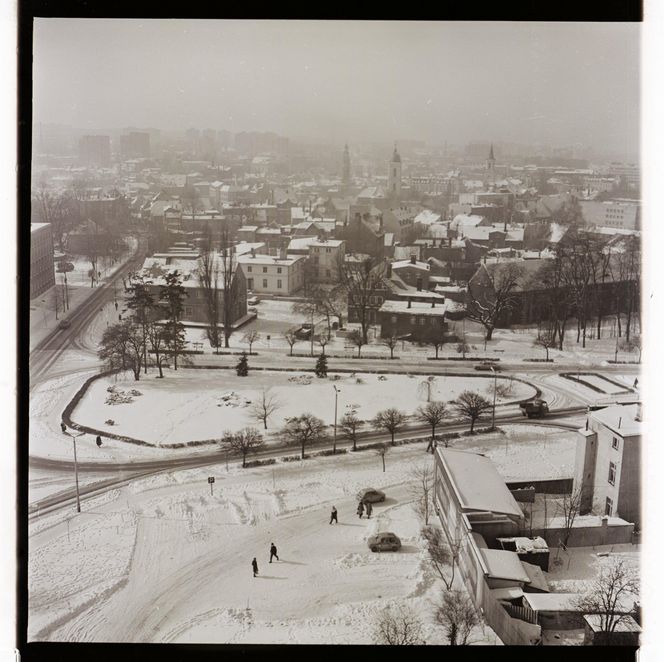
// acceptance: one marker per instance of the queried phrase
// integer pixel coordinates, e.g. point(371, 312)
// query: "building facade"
point(42, 270)
point(273, 274)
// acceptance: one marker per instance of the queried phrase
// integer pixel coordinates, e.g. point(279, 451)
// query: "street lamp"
point(495, 385)
point(74, 437)
point(336, 397)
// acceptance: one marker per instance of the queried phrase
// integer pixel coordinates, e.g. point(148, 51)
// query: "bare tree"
point(250, 337)
point(432, 413)
point(304, 429)
point(382, 451)
point(569, 508)
point(471, 406)
point(244, 442)
point(546, 340)
point(265, 406)
point(208, 277)
point(358, 339)
point(362, 279)
point(633, 344)
point(443, 552)
point(398, 626)
point(491, 294)
point(391, 343)
point(556, 301)
point(349, 426)
point(436, 338)
point(140, 300)
point(158, 341)
point(422, 489)
point(456, 614)
point(291, 339)
point(231, 275)
point(121, 346)
point(391, 420)
point(323, 339)
point(616, 584)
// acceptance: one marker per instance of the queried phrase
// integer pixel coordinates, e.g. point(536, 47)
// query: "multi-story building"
point(135, 144)
point(325, 256)
point(608, 463)
point(273, 274)
point(42, 272)
point(619, 213)
point(417, 321)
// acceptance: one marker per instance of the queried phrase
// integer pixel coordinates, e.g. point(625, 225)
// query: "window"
point(250, 283)
point(413, 320)
point(328, 273)
point(278, 270)
point(264, 282)
point(264, 270)
point(423, 321)
point(328, 250)
point(614, 444)
point(394, 319)
point(279, 283)
point(612, 473)
point(249, 269)
point(608, 509)
point(433, 321)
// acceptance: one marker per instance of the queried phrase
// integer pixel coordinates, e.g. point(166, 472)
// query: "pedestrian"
point(360, 509)
point(369, 508)
point(273, 552)
point(333, 515)
point(116, 305)
point(636, 382)
point(98, 441)
point(63, 427)
point(254, 565)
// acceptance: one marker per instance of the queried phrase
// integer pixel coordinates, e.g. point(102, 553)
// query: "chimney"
point(409, 302)
point(433, 303)
point(449, 241)
point(253, 252)
point(283, 252)
point(413, 258)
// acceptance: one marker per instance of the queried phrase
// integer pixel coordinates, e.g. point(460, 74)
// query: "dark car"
point(64, 324)
point(304, 332)
point(536, 408)
point(370, 494)
point(385, 541)
point(487, 365)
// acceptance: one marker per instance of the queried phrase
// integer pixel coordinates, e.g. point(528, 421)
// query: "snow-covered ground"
point(163, 560)
point(200, 404)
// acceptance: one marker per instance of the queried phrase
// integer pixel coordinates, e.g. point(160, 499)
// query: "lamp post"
point(495, 384)
point(74, 437)
point(336, 396)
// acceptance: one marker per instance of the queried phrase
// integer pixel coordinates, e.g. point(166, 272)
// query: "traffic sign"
point(211, 479)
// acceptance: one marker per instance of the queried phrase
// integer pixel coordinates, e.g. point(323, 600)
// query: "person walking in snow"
point(273, 552)
point(333, 515)
point(254, 565)
point(369, 508)
point(360, 509)
point(98, 441)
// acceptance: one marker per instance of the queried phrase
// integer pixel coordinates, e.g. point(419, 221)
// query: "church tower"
point(345, 176)
point(394, 176)
point(491, 167)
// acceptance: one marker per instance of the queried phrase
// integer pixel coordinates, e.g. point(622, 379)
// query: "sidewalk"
point(42, 308)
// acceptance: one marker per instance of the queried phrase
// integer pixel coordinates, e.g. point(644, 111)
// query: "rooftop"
point(416, 307)
point(478, 484)
point(620, 419)
point(504, 565)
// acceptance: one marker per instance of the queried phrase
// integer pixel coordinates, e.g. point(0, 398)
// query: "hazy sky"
point(525, 82)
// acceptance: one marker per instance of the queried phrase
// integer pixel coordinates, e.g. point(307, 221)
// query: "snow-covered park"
point(96, 576)
point(189, 405)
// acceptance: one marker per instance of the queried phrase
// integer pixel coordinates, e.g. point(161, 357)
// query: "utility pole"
point(336, 396)
point(74, 437)
point(495, 384)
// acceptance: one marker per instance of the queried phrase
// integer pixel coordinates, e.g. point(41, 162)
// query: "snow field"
point(164, 561)
point(188, 405)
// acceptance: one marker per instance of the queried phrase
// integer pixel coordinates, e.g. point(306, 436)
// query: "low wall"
point(589, 536)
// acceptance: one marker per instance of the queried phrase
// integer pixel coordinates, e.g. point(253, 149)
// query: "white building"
point(624, 214)
point(273, 274)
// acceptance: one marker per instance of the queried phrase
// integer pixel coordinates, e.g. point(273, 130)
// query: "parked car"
point(304, 332)
point(64, 324)
point(252, 301)
point(385, 541)
point(370, 494)
point(251, 309)
point(487, 365)
point(536, 408)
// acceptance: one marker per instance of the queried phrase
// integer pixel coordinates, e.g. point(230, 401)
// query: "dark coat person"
point(254, 565)
point(360, 509)
point(333, 515)
point(369, 509)
point(273, 552)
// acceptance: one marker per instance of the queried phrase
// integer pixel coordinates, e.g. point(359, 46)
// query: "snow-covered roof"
point(478, 484)
point(269, 259)
point(620, 419)
point(400, 264)
point(416, 307)
point(504, 565)
point(427, 217)
point(34, 227)
point(528, 544)
point(245, 247)
point(301, 243)
point(467, 220)
point(552, 601)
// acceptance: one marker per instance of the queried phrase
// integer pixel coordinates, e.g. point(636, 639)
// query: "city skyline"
point(333, 82)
